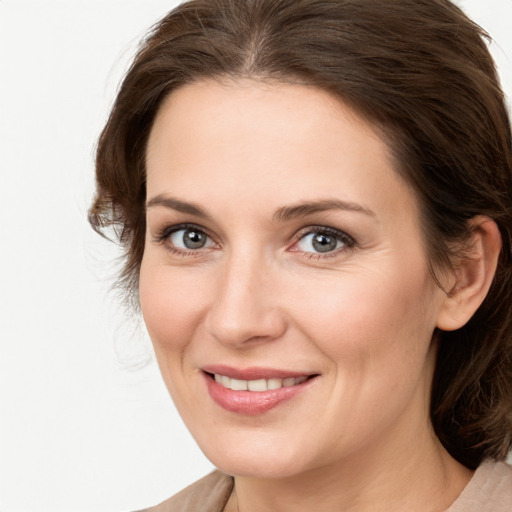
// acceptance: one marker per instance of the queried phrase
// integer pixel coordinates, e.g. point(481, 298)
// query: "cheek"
point(376, 334)
point(171, 303)
point(364, 320)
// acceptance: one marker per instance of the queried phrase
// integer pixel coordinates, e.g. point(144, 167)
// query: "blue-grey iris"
point(324, 243)
point(194, 239)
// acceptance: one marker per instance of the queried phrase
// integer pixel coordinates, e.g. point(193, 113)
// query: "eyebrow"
point(179, 206)
point(309, 208)
point(282, 214)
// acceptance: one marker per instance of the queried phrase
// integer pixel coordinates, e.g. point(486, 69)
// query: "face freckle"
point(308, 261)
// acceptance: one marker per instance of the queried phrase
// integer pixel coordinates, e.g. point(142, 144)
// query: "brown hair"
point(421, 72)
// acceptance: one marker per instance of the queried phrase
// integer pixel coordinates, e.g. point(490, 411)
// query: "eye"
point(323, 240)
point(189, 238)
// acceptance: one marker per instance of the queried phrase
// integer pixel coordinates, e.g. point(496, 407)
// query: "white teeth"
point(259, 384)
point(274, 383)
point(238, 385)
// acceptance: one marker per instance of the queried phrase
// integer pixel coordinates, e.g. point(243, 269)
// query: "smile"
point(258, 385)
point(260, 391)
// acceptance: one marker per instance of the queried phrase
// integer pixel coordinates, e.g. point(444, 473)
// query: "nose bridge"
point(244, 306)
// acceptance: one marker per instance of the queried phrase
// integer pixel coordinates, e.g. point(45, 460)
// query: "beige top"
point(490, 490)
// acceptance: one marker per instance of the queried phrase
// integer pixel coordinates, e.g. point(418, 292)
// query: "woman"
point(315, 201)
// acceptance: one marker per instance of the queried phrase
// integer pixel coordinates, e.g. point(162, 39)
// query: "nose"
point(245, 306)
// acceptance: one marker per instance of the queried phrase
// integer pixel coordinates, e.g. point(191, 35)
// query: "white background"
point(85, 426)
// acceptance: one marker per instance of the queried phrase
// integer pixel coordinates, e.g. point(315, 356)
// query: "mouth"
point(261, 390)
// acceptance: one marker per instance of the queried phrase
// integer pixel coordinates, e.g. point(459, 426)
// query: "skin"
point(361, 316)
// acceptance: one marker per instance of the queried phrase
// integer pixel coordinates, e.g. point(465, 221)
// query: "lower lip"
point(252, 403)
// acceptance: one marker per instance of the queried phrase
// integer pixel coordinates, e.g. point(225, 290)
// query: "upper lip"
point(254, 372)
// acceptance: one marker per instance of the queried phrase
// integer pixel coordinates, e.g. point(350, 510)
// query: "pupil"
point(324, 243)
point(194, 239)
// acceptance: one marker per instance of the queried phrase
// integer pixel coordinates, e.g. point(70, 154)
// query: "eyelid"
point(348, 241)
point(169, 229)
point(162, 237)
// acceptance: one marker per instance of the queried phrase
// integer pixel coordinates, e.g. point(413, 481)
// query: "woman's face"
point(284, 255)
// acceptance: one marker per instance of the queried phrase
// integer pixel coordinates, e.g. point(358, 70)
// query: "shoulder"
point(209, 494)
point(490, 490)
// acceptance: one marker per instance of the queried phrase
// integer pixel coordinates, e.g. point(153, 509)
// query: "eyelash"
point(348, 241)
point(164, 234)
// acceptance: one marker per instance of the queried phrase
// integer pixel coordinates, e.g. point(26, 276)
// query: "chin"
point(255, 467)
point(258, 458)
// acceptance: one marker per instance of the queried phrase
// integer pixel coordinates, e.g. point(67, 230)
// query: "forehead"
point(249, 138)
point(250, 112)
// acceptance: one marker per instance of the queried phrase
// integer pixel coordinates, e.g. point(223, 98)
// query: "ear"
point(473, 275)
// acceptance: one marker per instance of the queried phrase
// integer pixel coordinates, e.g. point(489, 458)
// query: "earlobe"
point(474, 273)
